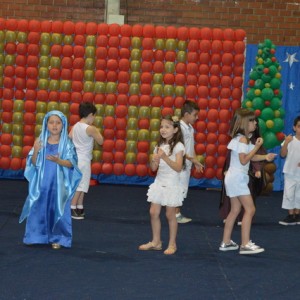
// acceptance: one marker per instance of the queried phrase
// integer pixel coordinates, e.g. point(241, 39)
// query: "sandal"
point(56, 246)
point(150, 246)
point(170, 250)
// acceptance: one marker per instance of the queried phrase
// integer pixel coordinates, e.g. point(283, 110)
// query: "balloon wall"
point(133, 74)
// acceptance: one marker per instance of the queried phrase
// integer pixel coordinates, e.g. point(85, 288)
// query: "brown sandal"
point(170, 250)
point(150, 246)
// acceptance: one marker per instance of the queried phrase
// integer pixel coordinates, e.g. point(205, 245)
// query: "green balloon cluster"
point(264, 96)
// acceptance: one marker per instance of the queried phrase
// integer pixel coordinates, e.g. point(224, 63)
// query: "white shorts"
point(85, 168)
point(184, 178)
point(291, 193)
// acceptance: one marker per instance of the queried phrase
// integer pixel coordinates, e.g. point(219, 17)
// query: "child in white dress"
point(168, 159)
point(237, 178)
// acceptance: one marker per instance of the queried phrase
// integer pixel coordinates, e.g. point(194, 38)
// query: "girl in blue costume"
point(53, 175)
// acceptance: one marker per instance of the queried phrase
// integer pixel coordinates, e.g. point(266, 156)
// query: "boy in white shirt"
point(189, 115)
point(83, 135)
point(291, 170)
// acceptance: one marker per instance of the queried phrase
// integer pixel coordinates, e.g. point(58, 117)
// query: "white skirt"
point(236, 184)
point(171, 196)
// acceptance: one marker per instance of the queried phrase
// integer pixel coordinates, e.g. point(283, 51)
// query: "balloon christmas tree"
point(264, 95)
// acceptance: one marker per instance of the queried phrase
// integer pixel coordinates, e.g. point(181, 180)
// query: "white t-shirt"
point(189, 143)
point(83, 143)
point(293, 158)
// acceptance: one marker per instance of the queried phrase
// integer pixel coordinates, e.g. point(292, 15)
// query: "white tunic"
point(237, 178)
point(166, 189)
point(291, 166)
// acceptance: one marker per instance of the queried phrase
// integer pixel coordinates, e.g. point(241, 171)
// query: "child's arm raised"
point(95, 133)
point(246, 157)
point(175, 165)
point(284, 150)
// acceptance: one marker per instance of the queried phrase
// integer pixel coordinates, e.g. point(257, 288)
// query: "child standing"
point(51, 169)
point(83, 135)
point(291, 170)
point(242, 151)
point(168, 160)
point(189, 115)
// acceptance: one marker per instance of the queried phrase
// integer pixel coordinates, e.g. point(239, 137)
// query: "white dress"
point(237, 178)
point(166, 189)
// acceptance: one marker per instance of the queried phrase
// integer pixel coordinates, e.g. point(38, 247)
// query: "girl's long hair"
point(177, 137)
point(240, 121)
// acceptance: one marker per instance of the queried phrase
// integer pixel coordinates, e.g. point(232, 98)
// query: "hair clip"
point(175, 119)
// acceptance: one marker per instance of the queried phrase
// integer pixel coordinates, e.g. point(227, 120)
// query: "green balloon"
point(266, 78)
point(171, 44)
point(275, 83)
point(259, 84)
point(270, 140)
point(278, 125)
point(275, 103)
point(250, 94)
point(258, 103)
point(254, 75)
point(268, 62)
point(267, 94)
point(182, 45)
point(259, 69)
point(272, 70)
point(168, 90)
point(268, 43)
point(267, 114)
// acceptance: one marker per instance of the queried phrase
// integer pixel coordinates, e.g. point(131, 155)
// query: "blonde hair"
point(240, 121)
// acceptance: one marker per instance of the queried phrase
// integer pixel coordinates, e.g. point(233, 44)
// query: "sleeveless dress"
point(166, 189)
point(237, 178)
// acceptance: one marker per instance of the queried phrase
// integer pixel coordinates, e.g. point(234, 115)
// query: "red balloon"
point(96, 168)
point(240, 34)
point(212, 126)
point(223, 139)
point(68, 27)
point(183, 33)
point(222, 151)
point(108, 145)
point(156, 101)
point(224, 115)
point(202, 114)
point(144, 123)
point(125, 30)
point(130, 170)
point(103, 28)
point(167, 111)
point(109, 134)
point(23, 25)
point(6, 138)
point(148, 31)
point(107, 168)
point(228, 34)
point(109, 122)
point(118, 168)
point(200, 149)
point(239, 47)
point(4, 162)
point(225, 103)
point(5, 150)
point(120, 145)
point(137, 30)
point(205, 46)
point(193, 45)
point(29, 106)
point(28, 140)
point(142, 158)
point(80, 28)
point(119, 157)
point(121, 123)
point(210, 161)
point(217, 34)
point(141, 170)
point(29, 118)
point(216, 46)
point(213, 103)
point(143, 146)
point(195, 33)
point(206, 33)
point(107, 157)
point(209, 173)
point(91, 28)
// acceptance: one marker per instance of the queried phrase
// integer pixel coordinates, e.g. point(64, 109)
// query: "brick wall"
point(274, 19)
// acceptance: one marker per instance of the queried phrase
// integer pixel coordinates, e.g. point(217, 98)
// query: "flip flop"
point(150, 246)
point(170, 250)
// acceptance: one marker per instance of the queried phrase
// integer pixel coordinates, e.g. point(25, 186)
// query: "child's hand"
point(37, 145)
point(54, 158)
point(199, 167)
point(270, 156)
point(288, 139)
point(161, 153)
point(155, 158)
point(257, 174)
point(259, 142)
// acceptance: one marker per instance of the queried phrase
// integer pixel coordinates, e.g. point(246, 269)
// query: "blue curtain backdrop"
point(289, 59)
